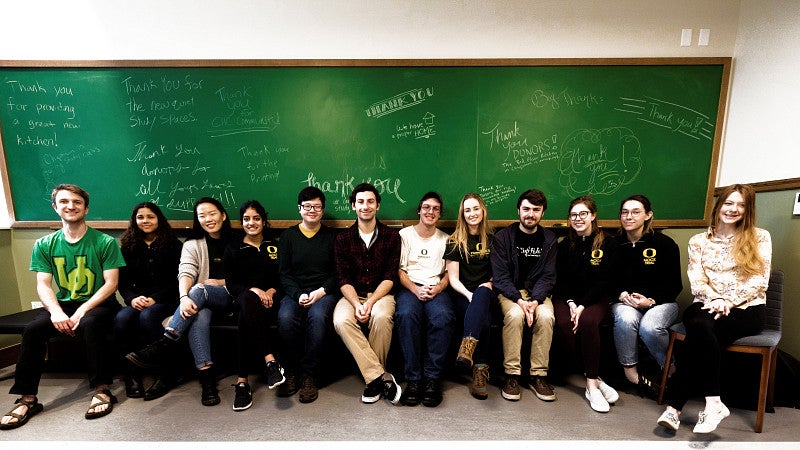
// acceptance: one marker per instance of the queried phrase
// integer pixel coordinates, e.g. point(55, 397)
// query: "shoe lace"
point(541, 386)
point(308, 383)
point(481, 376)
point(468, 346)
point(513, 383)
point(701, 417)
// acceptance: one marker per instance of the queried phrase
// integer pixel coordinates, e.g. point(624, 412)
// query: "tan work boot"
point(465, 350)
point(480, 378)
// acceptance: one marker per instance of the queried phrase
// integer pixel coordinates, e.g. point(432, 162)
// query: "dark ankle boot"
point(160, 387)
point(133, 386)
point(154, 355)
point(208, 383)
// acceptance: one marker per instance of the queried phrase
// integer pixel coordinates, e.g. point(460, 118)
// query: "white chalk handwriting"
point(519, 152)
point(398, 102)
point(423, 129)
point(599, 162)
point(343, 186)
point(672, 116)
point(496, 193)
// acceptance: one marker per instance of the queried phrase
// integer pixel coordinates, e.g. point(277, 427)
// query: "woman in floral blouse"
point(729, 269)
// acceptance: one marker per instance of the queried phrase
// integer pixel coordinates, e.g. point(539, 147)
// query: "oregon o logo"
point(649, 253)
point(424, 251)
point(479, 246)
point(597, 254)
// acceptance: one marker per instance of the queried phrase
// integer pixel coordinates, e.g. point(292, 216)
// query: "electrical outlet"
point(797, 204)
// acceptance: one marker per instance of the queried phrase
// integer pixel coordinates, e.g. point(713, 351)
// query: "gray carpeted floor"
point(338, 415)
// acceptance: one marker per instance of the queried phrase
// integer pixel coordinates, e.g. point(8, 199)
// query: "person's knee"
point(625, 316)
point(342, 320)
point(545, 317)
point(514, 318)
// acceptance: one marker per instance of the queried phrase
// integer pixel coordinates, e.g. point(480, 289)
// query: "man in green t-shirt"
point(84, 265)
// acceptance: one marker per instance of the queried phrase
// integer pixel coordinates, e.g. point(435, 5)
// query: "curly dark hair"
point(133, 236)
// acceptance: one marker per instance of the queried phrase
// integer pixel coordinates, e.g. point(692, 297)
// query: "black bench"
point(15, 323)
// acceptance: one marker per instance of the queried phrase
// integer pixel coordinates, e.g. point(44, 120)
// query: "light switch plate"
point(702, 39)
point(686, 37)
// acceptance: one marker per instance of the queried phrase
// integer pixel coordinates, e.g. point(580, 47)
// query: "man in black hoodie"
point(524, 266)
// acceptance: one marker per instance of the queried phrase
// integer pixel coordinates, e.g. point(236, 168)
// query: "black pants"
point(586, 342)
point(255, 338)
point(95, 329)
point(698, 362)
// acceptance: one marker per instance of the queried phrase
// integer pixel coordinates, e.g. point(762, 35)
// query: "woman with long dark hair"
point(149, 286)
point(253, 279)
point(648, 283)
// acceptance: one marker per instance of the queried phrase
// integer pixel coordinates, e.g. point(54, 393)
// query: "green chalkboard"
point(263, 130)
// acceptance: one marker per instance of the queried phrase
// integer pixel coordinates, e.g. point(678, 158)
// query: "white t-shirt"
point(422, 258)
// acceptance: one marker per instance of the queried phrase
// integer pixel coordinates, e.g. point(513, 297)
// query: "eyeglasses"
point(309, 207)
point(431, 208)
point(582, 215)
point(633, 213)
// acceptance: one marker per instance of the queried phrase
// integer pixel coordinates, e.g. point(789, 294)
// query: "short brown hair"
point(74, 188)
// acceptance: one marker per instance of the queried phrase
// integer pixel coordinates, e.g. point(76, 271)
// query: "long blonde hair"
point(461, 234)
point(745, 239)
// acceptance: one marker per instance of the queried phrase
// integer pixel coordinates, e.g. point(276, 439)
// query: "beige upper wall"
point(192, 29)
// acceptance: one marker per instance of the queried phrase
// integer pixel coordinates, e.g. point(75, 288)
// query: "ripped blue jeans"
point(197, 328)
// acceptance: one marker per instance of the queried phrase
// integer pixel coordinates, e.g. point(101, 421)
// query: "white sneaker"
point(597, 401)
point(709, 420)
point(669, 420)
point(609, 393)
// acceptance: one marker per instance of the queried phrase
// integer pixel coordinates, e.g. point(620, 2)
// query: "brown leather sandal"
point(34, 407)
point(92, 412)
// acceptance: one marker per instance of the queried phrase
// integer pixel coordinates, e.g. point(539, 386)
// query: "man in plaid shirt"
point(367, 261)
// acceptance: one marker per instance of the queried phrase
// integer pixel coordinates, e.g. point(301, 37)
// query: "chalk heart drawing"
point(599, 162)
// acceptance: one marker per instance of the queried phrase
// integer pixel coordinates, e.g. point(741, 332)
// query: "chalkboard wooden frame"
point(724, 62)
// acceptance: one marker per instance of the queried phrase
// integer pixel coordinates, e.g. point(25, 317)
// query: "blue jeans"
point(429, 322)
point(208, 299)
point(304, 331)
point(477, 318)
point(652, 325)
point(134, 329)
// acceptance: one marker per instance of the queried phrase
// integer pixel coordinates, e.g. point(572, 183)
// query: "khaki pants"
point(369, 352)
point(513, 324)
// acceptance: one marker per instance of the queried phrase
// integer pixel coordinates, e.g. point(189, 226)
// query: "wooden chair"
point(764, 344)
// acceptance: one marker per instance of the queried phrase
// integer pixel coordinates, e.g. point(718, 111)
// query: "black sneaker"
point(411, 394)
point(373, 391)
point(432, 395)
point(289, 387)
point(391, 390)
point(274, 374)
point(243, 398)
point(308, 390)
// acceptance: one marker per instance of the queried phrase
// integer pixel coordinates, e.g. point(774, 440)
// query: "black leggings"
point(256, 340)
point(698, 362)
